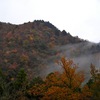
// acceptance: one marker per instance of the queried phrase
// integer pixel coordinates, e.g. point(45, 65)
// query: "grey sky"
point(79, 17)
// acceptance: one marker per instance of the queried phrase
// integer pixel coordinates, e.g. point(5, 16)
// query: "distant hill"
point(34, 45)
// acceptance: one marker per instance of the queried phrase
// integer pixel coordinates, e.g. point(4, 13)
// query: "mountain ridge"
point(38, 25)
point(32, 46)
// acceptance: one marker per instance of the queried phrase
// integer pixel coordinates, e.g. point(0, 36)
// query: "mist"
point(83, 55)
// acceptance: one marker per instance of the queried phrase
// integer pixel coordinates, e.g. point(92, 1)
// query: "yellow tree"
point(65, 85)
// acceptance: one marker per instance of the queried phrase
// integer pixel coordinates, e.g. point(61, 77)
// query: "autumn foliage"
point(65, 85)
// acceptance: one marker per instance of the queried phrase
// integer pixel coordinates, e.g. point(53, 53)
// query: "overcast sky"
point(79, 17)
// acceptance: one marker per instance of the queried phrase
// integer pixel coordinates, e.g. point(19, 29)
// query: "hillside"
point(40, 62)
point(29, 45)
point(36, 45)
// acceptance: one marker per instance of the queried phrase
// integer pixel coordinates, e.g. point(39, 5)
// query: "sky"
point(79, 17)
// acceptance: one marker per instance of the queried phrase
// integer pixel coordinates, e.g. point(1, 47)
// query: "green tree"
point(21, 79)
point(94, 82)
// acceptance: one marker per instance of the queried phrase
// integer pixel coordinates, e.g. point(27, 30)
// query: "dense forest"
point(67, 85)
point(40, 62)
point(27, 45)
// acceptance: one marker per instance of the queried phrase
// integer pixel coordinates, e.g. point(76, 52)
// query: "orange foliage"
point(37, 90)
point(24, 58)
point(13, 66)
point(62, 86)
